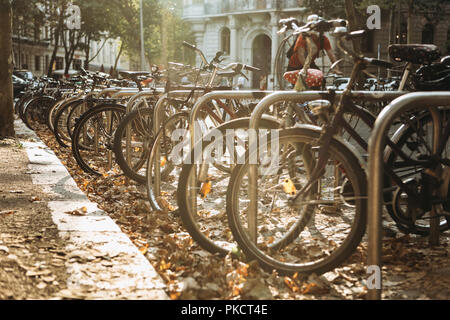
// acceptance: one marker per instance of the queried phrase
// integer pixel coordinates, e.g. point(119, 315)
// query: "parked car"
point(24, 75)
point(59, 74)
point(19, 85)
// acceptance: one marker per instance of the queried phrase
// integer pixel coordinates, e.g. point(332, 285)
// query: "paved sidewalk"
point(101, 261)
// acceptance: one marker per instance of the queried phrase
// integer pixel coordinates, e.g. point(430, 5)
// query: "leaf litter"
point(193, 273)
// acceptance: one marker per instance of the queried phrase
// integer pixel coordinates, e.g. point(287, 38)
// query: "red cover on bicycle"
point(313, 79)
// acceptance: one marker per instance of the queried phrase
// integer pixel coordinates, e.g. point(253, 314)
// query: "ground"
point(32, 254)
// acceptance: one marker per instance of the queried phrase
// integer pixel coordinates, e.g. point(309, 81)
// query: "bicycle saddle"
point(414, 53)
point(133, 75)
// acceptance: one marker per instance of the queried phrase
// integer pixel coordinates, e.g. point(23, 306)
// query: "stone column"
point(233, 39)
point(198, 28)
point(274, 18)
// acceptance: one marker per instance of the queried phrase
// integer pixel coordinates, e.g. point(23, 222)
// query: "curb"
point(123, 272)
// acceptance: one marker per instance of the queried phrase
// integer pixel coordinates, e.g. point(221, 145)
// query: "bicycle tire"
point(408, 139)
point(350, 164)
point(51, 112)
point(220, 241)
point(166, 173)
point(60, 123)
point(144, 131)
point(35, 111)
point(84, 142)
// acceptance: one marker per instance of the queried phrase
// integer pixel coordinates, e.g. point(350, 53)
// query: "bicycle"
point(317, 198)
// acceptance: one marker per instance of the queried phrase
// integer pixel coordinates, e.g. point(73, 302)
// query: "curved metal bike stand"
point(127, 92)
point(129, 107)
point(143, 94)
point(377, 144)
point(298, 97)
point(198, 106)
point(158, 119)
point(205, 99)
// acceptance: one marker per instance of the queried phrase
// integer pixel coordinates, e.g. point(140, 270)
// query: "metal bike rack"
point(129, 107)
point(143, 94)
point(377, 145)
point(126, 93)
point(158, 119)
point(203, 100)
point(298, 97)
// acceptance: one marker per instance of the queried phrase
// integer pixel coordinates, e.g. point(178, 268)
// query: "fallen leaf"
point(17, 191)
point(175, 295)
point(291, 284)
point(144, 249)
point(7, 212)
point(78, 212)
point(35, 199)
point(206, 188)
point(289, 187)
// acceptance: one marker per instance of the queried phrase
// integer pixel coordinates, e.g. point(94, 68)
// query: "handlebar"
point(200, 53)
point(319, 26)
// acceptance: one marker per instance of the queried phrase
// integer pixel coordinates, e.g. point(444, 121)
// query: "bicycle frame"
point(338, 123)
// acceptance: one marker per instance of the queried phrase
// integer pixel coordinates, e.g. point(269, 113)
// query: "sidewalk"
point(54, 242)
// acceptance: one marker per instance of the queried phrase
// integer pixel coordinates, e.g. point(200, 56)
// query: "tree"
point(326, 8)
point(6, 69)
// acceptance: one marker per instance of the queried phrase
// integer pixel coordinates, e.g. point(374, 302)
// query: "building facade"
point(35, 53)
point(247, 31)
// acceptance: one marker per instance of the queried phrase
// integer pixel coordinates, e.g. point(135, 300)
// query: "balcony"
point(221, 7)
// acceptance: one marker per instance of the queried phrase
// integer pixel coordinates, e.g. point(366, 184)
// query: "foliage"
point(103, 19)
point(328, 9)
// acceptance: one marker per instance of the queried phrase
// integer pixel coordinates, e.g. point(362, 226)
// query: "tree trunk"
point(58, 29)
point(392, 25)
point(6, 69)
point(87, 52)
point(410, 21)
point(353, 23)
point(399, 20)
point(117, 59)
point(391, 32)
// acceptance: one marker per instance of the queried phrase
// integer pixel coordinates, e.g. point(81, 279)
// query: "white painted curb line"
point(123, 272)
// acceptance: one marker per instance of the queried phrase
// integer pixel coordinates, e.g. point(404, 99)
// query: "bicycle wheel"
point(163, 196)
point(415, 139)
point(51, 113)
point(74, 114)
point(314, 233)
point(132, 141)
point(60, 129)
point(92, 143)
point(35, 111)
point(281, 61)
point(202, 186)
point(20, 105)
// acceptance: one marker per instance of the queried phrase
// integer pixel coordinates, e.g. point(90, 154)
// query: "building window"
point(368, 41)
point(225, 40)
point(59, 63)
point(77, 64)
point(37, 63)
point(448, 40)
point(428, 34)
point(402, 37)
